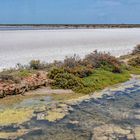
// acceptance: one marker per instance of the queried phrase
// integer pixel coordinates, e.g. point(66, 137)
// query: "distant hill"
point(68, 26)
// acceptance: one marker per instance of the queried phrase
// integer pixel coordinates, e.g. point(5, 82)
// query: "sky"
point(69, 11)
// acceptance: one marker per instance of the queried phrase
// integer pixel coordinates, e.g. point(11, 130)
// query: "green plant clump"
point(54, 72)
point(24, 73)
point(101, 79)
point(136, 50)
point(37, 64)
point(80, 71)
point(134, 61)
point(134, 70)
point(63, 79)
point(102, 60)
point(67, 81)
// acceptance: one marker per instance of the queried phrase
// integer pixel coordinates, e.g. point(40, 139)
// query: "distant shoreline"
point(64, 26)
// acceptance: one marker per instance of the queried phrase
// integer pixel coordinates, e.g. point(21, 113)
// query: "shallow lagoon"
point(21, 46)
point(120, 111)
point(116, 115)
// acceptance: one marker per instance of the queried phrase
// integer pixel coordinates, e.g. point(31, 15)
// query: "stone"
point(137, 133)
point(130, 137)
point(40, 116)
point(110, 131)
point(74, 122)
point(8, 87)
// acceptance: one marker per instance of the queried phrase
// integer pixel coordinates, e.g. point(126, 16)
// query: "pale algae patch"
point(7, 135)
point(55, 115)
point(107, 131)
point(15, 116)
point(137, 133)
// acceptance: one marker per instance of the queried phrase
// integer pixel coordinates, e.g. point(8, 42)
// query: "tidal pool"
point(114, 116)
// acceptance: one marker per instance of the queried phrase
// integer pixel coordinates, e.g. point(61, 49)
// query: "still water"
point(94, 119)
point(116, 115)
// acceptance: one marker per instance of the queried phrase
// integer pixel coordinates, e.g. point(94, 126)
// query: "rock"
point(110, 132)
point(9, 87)
point(70, 108)
point(130, 137)
point(137, 133)
point(137, 105)
point(74, 122)
point(40, 116)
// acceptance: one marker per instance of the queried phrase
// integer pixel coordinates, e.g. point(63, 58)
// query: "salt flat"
point(21, 46)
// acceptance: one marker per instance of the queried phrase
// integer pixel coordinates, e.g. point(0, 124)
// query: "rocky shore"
point(9, 87)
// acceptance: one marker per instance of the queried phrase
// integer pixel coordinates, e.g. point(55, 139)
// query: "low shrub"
point(71, 62)
point(83, 67)
point(23, 73)
point(36, 64)
point(134, 61)
point(136, 50)
point(134, 70)
point(80, 71)
point(63, 79)
point(102, 60)
point(6, 77)
point(10, 78)
point(67, 81)
point(54, 72)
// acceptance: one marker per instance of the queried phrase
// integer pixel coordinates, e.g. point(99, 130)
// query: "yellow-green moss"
point(15, 116)
point(55, 115)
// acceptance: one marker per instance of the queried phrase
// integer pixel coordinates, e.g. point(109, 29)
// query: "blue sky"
point(69, 11)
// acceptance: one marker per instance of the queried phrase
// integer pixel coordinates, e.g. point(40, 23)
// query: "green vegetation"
point(95, 71)
point(16, 75)
point(134, 70)
point(24, 73)
point(101, 79)
point(54, 72)
point(102, 60)
point(36, 64)
point(80, 71)
point(134, 61)
point(136, 50)
point(65, 80)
